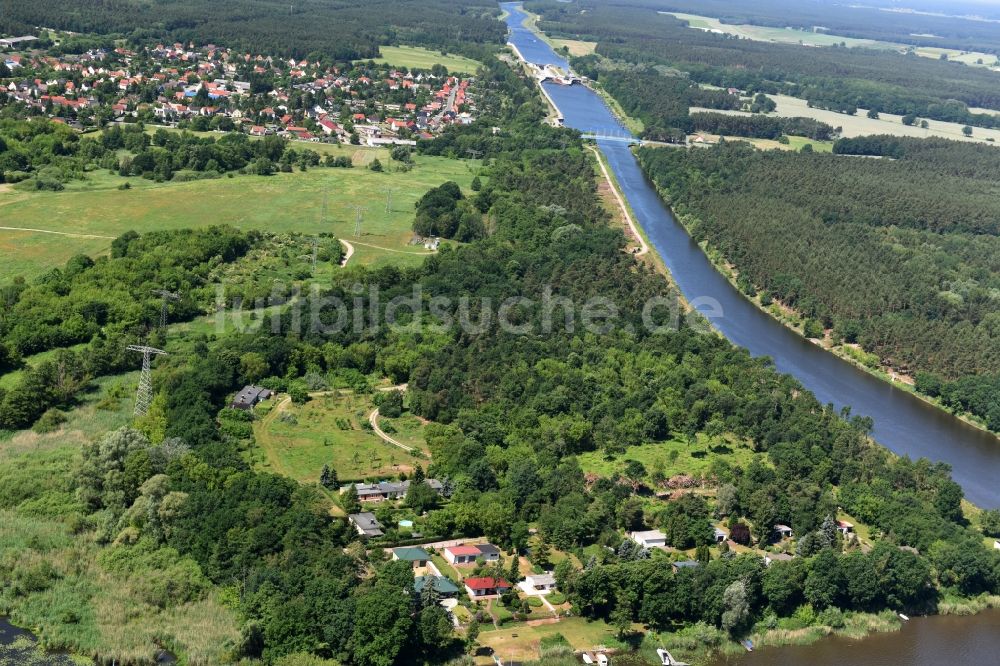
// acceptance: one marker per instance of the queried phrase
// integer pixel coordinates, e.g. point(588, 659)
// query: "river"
point(903, 423)
point(937, 640)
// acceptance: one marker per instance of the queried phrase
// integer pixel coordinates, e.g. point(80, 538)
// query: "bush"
point(49, 421)
point(534, 602)
point(556, 598)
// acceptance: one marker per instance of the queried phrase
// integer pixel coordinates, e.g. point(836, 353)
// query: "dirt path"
point(57, 233)
point(373, 420)
point(389, 249)
point(643, 247)
point(348, 251)
point(265, 442)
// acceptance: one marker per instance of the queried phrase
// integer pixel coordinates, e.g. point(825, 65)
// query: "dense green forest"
point(344, 30)
point(863, 22)
point(899, 255)
point(836, 78)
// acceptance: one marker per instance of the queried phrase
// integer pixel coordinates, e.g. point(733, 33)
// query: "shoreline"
point(731, 274)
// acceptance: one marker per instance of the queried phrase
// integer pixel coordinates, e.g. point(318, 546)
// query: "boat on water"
point(904, 618)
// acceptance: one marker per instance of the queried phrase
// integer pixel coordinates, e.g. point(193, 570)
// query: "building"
point(782, 532)
point(461, 554)
point(649, 538)
point(685, 564)
point(388, 490)
point(417, 557)
point(443, 586)
point(720, 535)
point(844, 527)
point(481, 588)
point(540, 582)
point(249, 396)
point(11, 42)
point(366, 524)
point(777, 557)
point(996, 544)
point(468, 554)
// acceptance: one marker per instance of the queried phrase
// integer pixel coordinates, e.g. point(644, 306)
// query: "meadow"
point(297, 440)
point(92, 212)
point(416, 57)
point(860, 124)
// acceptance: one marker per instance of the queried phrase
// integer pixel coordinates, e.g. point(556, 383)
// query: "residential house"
point(249, 396)
point(417, 557)
point(366, 524)
point(649, 538)
point(720, 535)
point(461, 554)
point(482, 588)
point(782, 532)
point(540, 582)
point(489, 552)
point(844, 527)
point(685, 564)
point(443, 586)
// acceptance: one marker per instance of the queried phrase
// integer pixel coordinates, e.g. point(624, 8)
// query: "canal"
point(903, 423)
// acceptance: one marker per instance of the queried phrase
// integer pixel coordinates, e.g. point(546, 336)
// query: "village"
point(213, 88)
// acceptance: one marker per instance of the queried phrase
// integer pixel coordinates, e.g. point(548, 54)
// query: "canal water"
point(19, 647)
point(932, 641)
point(903, 423)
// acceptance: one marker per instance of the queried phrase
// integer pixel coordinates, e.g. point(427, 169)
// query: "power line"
point(144, 394)
point(473, 153)
point(388, 197)
point(165, 298)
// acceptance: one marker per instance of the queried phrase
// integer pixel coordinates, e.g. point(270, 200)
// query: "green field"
point(672, 457)
point(329, 429)
point(416, 57)
point(282, 202)
point(820, 38)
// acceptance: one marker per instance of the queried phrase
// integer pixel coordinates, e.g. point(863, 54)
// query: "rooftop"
point(411, 554)
point(486, 583)
point(441, 584)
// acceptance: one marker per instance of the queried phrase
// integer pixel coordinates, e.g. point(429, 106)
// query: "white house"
point(649, 538)
point(540, 582)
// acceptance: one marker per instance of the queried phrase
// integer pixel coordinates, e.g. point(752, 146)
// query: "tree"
point(825, 580)
point(514, 571)
point(990, 521)
point(391, 404)
point(737, 606)
point(349, 500)
point(873, 114)
point(967, 131)
point(376, 165)
point(382, 625)
point(909, 119)
point(328, 478)
point(253, 367)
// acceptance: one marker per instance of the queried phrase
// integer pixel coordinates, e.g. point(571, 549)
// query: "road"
point(643, 247)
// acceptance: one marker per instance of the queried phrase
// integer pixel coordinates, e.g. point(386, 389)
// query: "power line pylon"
point(144, 394)
point(165, 298)
point(388, 197)
point(358, 212)
point(473, 153)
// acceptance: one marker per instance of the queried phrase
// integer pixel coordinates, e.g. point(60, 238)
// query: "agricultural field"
point(860, 124)
point(51, 227)
point(416, 57)
point(297, 440)
point(809, 38)
point(575, 47)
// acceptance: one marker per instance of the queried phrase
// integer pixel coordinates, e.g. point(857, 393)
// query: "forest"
point(174, 493)
point(840, 79)
point(897, 255)
point(310, 28)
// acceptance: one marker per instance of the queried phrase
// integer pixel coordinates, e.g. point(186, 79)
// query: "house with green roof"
point(443, 586)
point(416, 556)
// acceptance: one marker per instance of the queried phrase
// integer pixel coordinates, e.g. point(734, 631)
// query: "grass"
point(575, 47)
point(523, 642)
point(416, 57)
point(861, 125)
point(329, 429)
point(283, 202)
point(672, 457)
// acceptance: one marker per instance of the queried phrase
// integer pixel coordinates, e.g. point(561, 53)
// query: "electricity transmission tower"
point(473, 153)
point(165, 298)
point(358, 212)
point(388, 197)
point(144, 394)
point(315, 252)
